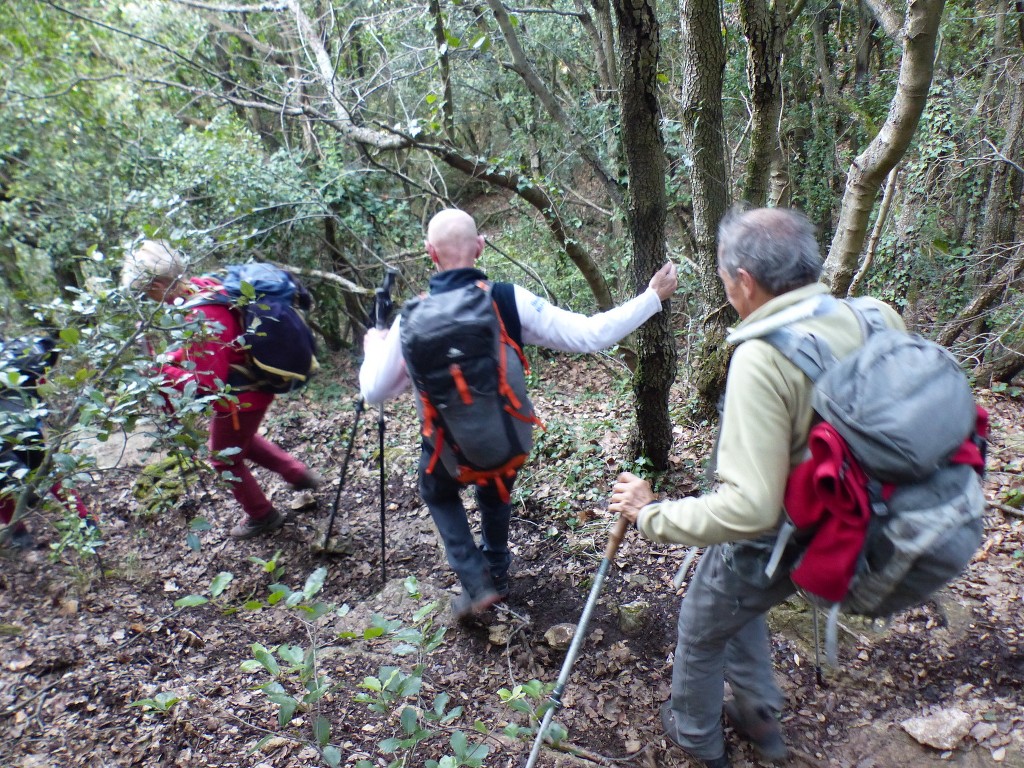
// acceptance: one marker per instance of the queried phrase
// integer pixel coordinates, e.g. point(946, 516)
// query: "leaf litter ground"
point(77, 648)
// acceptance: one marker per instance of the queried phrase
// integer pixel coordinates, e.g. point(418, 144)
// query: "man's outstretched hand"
point(664, 281)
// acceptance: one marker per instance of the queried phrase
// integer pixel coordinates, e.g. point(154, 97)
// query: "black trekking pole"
point(360, 405)
point(614, 539)
point(382, 306)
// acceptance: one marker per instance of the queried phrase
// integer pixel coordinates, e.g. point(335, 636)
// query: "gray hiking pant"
point(723, 635)
point(479, 568)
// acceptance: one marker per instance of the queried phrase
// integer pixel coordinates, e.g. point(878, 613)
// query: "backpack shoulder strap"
point(868, 315)
point(208, 290)
point(813, 355)
point(810, 353)
point(504, 295)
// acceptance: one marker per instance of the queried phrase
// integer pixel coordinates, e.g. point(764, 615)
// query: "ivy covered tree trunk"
point(639, 39)
point(704, 137)
point(765, 28)
point(869, 169)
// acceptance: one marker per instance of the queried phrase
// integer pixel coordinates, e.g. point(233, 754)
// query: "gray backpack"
point(907, 414)
point(470, 380)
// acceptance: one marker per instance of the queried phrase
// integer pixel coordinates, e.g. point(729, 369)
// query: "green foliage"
point(76, 534)
point(568, 469)
point(531, 699)
point(162, 703)
point(295, 684)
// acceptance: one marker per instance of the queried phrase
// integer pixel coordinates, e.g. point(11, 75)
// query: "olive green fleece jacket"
point(764, 429)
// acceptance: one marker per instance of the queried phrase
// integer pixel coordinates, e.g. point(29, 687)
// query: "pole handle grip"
point(615, 538)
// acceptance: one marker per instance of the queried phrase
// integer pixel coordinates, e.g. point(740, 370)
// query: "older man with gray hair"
point(769, 262)
point(158, 271)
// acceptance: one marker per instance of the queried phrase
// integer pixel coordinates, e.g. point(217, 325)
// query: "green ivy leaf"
point(220, 583)
point(458, 742)
point(293, 654)
point(287, 705)
point(315, 582)
point(322, 730)
point(191, 601)
point(409, 720)
point(264, 657)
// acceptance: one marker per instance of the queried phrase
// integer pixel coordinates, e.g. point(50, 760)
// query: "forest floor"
point(98, 667)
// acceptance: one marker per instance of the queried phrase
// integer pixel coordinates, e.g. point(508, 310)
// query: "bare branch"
point(325, 72)
point(257, 8)
point(552, 11)
point(257, 45)
point(888, 18)
point(522, 66)
point(348, 285)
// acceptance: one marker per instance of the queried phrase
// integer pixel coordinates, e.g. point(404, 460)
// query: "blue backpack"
point(270, 302)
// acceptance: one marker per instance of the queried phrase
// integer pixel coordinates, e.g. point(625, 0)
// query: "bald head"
point(452, 240)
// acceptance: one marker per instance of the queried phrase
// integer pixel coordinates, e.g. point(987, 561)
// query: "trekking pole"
point(360, 405)
point(614, 539)
point(382, 306)
point(383, 537)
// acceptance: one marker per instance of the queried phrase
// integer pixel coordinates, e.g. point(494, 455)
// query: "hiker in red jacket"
point(159, 272)
point(769, 262)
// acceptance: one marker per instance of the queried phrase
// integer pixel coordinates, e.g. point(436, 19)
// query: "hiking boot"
point(758, 725)
point(309, 481)
point(465, 607)
point(257, 527)
point(668, 722)
point(501, 587)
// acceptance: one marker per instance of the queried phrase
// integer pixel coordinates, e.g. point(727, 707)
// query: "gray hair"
point(149, 260)
point(776, 246)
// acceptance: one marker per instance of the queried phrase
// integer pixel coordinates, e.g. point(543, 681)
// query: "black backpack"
point(30, 356)
point(470, 380)
point(270, 302)
point(23, 362)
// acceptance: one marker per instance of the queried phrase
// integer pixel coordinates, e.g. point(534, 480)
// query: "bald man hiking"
point(460, 347)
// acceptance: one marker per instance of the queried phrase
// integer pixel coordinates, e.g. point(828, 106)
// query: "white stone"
point(943, 729)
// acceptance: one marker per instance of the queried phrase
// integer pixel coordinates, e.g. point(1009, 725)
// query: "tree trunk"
point(441, 44)
point(646, 207)
point(869, 169)
point(704, 137)
point(765, 29)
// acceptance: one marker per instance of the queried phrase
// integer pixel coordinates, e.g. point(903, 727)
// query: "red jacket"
point(213, 357)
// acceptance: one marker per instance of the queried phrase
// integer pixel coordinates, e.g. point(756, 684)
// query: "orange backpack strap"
point(438, 445)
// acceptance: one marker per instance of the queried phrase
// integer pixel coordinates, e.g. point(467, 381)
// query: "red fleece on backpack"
point(828, 493)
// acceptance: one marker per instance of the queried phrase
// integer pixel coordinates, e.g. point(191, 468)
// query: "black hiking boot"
point(465, 607)
point(668, 722)
point(758, 725)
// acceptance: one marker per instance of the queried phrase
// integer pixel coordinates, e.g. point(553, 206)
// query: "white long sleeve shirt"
point(383, 374)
